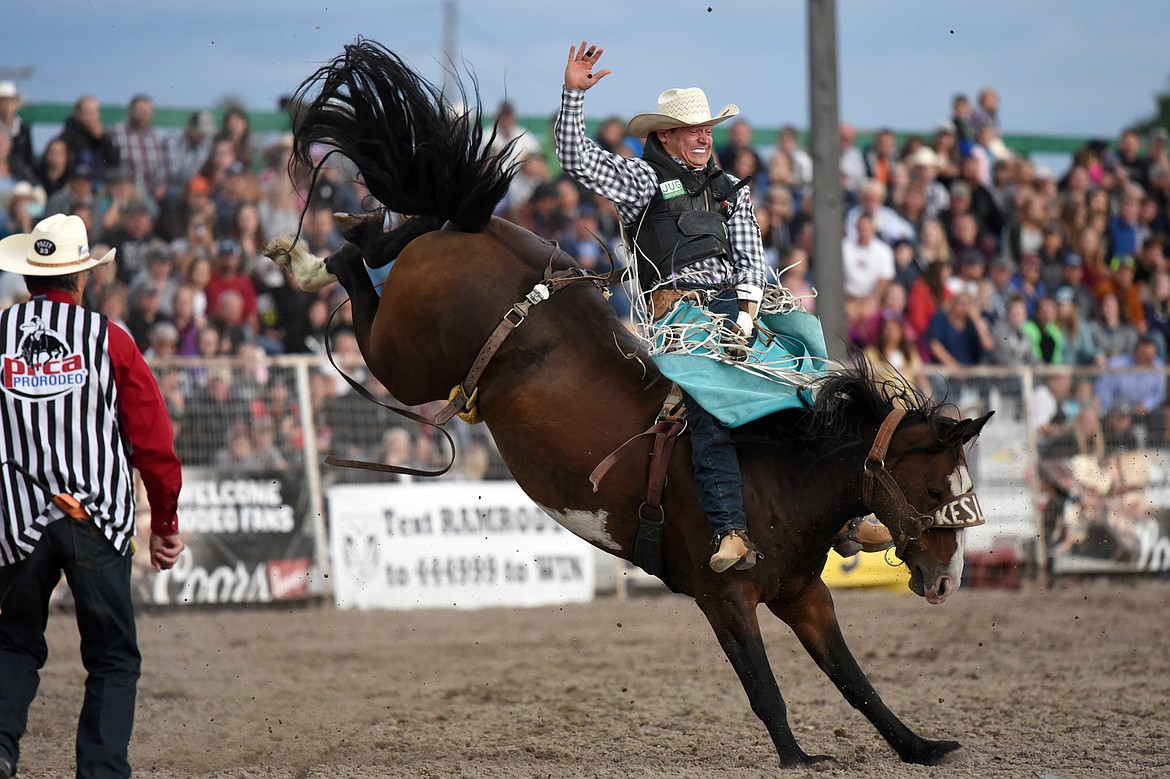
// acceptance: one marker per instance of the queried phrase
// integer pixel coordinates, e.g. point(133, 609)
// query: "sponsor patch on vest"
point(672, 188)
point(43, 365)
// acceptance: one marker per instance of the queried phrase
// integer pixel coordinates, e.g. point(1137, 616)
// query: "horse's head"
point(917, 484)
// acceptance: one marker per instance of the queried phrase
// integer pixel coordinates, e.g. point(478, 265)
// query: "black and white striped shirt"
point(65, 375)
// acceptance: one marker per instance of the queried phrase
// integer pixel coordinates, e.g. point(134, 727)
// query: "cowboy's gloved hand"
point(741, 335)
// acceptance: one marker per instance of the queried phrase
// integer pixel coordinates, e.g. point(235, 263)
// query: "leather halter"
point(957, 513)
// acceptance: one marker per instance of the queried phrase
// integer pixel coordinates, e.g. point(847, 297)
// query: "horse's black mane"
point(417, 154)
point(844, 401)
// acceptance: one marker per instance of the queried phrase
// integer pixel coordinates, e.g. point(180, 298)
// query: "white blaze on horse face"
point(588, 525)
point(960, 480)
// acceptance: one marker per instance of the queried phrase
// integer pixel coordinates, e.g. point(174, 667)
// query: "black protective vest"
point(686, 219)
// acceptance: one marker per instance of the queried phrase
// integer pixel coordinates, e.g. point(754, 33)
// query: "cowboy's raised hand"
point(579, 70)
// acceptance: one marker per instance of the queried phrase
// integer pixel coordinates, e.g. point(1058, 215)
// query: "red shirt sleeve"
point(146, 425)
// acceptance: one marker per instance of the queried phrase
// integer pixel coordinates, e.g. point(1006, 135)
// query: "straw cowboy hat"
point(57, 246)
point(679, 108)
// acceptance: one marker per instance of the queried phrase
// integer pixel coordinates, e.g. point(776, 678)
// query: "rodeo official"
point(80, 409)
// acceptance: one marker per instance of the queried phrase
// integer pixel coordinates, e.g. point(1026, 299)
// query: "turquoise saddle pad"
point(735, 393)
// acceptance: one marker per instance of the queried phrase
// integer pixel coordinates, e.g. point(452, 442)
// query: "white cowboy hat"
point(926, 157)
point(679, 108)
point(57, 246)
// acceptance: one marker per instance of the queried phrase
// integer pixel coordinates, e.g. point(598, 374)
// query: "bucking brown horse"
point(568, 384)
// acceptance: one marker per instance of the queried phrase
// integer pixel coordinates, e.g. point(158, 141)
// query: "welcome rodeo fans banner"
point(249, 540)
point(1108, 514)
point(451, 544)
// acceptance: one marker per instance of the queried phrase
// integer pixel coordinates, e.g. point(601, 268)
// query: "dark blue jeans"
point(99, 577)
point(713, 452)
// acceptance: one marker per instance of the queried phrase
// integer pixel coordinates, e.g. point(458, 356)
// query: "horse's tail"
point(417, 155)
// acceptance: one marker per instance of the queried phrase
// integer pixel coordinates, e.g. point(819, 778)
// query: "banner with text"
point(460, 545)
point(249, 540)
point(1108, 514)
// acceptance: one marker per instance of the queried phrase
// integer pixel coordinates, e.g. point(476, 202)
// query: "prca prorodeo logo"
point(43, 366)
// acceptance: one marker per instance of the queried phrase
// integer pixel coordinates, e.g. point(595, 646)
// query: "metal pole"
point(450, 23)
point(825, 146)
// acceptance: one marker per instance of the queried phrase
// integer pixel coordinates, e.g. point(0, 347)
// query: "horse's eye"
point(934, 495)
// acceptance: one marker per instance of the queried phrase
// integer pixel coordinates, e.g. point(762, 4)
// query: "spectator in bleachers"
point(1120, 284)
point(999, 288)
point(112, 305)
point(1137, 380)
point(800, 163)
point(869, 268)
point(1045, 334)
point(888, 225)
point(507, 130)
point(1052, 251)
point(212, 410)
point(932, 243)
point(1028, 282)
point(777, 213)
point(739, 138)
point(143, 313)
point(227, 275)
point(77, 193)
point(187, 151)
point(924, 170)
point(1079, 349)
point(957, 334)
point(1157, 310)
point(24, 205)
point(852, 165)
point(319, 230)
point(87, 138)
point(985, 209)
point(894, 355)
point(908, 263)
point(19, 156)
point(132, 235)
point(1053, 408)
point(211, 173)
point(1124, 233)
point(236, 128)
point(1014, 342)
point(266, 453)
point(946, 145)
point(1028, 232)
point(971, 272)
point(237, 188)
point(611, 136)
point(1112, 335)
point(1130, 158)
point(141, 148)
point(927, 294)
point(961, 121)
point(158, 273)
point(795, 268)
point(53, 169)
point(227, 316)
point(187, 320)
point(880, 156)
point(164, 341)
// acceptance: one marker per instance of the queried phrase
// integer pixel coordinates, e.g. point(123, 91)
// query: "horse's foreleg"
point(814, 621)
point(735, 625)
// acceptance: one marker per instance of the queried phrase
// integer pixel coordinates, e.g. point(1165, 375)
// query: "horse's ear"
point(964, 430)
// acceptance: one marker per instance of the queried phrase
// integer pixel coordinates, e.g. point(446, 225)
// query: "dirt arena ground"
point(1072, 682)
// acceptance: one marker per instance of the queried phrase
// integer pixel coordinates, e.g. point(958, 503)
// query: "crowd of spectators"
point(956, 250)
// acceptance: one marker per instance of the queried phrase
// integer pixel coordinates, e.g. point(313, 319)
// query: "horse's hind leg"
point(814, 621)
point(347, 265)
point(735, 625)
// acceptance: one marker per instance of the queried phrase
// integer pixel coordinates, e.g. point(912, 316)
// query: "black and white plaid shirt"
point(630, 183)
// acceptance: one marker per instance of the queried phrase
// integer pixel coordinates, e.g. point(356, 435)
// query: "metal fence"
point(1072, 471)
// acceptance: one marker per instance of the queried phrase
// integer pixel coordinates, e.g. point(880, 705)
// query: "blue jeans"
point(713, 453)
point(99, 577)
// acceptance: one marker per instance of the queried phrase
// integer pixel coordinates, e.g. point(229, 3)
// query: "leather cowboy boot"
point(733, 548)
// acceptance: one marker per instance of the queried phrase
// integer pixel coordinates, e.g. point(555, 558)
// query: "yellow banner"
point(866, 569)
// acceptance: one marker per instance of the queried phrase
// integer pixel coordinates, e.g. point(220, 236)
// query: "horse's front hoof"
point(930, 752)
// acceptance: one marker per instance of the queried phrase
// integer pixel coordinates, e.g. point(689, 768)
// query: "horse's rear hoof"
point(931, 752)
point(808, 760)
